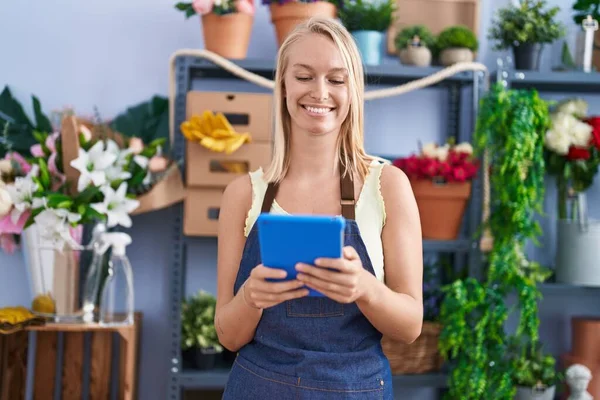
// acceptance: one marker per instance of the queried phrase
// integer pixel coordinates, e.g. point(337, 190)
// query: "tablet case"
point(286, 240)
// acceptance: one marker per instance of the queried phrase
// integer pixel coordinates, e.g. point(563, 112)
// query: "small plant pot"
point(527, 56)
point(206, 358)
point(527, 393)
point(188, 358)
point(370, 45)
point(415, 55)
point(286, 16)
point(455, 55)
point(227, 35)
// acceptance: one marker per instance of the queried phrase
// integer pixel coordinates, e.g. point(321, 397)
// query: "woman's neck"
point(313, 156)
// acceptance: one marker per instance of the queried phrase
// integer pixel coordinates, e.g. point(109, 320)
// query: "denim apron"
point(313, 347)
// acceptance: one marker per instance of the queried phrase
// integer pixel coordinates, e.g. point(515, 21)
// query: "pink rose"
point(202, 7)
point(245, 6)
point(36, 150)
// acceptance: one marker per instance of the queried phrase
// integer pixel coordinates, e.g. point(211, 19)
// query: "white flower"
point(92, 165)
point(567, 130)
point(5, 202)
point(575, 107)
point(116, 206)
point(429, 150)
point(117, 172)
point(141, 161)
point(557, 142)
point(53, 226)
point(581, 133)
point(441, 152)
point(21, 194)
point(464, 147)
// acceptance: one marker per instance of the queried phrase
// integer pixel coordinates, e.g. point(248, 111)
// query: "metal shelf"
point(555, 81)
point(216, 379)
point(388, 74)
point(553, 288)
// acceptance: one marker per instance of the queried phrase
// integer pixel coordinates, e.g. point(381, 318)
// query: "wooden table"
point(74, 361)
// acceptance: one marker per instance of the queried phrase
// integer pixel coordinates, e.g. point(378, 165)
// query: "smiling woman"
point(290, 345)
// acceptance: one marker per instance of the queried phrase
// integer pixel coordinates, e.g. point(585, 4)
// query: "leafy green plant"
point(457, 36)
point(510, 128)
point(583, 8)
point(530, 22)
point(531, 366)
point(406, 35)
point(365, 15)
point(197, 322)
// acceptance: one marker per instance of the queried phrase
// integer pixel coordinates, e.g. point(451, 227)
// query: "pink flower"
point(36, 150)
point(245, 6)
point(8, 226)
point(7, 243)
point(202, 7)
point(23, 164)
point(50, 142)
point(136, 145)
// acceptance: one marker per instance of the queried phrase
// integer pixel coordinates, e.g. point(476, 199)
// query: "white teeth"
point(318, 110)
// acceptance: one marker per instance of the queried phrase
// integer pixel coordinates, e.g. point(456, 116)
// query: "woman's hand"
point(260, 293)
point(345, 285)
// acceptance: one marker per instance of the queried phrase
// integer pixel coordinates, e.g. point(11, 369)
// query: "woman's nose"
point(319, 91)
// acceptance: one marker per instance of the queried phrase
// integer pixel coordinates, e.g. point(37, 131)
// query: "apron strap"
point(347, 201)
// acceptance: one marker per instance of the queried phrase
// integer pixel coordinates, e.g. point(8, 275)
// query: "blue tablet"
point(286, 240)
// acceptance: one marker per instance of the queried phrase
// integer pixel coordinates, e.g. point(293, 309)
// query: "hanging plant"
point(510, 128)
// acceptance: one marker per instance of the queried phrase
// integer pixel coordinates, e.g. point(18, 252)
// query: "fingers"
point(262, 272)
point(336, 277)
point(266, 299)
point(276, 287)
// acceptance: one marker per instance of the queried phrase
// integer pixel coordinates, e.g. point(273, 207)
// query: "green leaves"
point(583, 8)
point(363, 15)
point(530, 22)
point(197, 322)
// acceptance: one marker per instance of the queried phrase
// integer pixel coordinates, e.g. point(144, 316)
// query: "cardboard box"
point(205, 168)
point(434, 14)
point(201, 210)
point(246, 112)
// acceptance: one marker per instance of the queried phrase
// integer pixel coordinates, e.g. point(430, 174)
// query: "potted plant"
point(198, 333)
point(368, 22)
point(572, 155)
point(526, 28)
point(441, 180)
point(474, 340)
point(534, 372)
point(286, 14)
point(414, 45)
point(226, 24)
point(456, 44)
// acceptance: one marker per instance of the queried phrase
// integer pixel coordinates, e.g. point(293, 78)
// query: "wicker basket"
point(419, 357)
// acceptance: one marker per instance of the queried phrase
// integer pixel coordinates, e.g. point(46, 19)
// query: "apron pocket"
point(314, 307)
point(317, 390)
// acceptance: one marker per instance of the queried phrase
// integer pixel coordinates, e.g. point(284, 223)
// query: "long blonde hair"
point(351, 150)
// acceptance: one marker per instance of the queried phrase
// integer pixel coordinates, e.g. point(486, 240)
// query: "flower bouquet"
point(441, 180)
point(226, 24)
point(572, 155)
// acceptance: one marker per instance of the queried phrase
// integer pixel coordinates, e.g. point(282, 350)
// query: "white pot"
point(456, 55)
point(415, 55)
point(527, 393)
point(577, 253)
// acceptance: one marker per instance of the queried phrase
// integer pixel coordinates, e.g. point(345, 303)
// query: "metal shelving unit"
point(466, 249)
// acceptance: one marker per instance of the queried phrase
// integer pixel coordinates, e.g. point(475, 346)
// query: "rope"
point(369, 95)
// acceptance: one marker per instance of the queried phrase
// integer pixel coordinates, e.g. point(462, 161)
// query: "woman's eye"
point(337, 82)
point(302, 78)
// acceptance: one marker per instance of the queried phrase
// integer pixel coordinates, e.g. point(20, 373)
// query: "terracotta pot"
point(441, 207)
point(286, 16)
point(585, 338)
point(227, 35)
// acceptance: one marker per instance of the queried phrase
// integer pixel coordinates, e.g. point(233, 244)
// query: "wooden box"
point(434, 14)
point(70, 360)
point(201, 210)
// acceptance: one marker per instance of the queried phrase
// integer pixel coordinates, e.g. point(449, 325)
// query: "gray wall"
point(113, 54)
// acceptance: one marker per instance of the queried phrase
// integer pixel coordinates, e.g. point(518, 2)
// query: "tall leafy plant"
point(510, 128)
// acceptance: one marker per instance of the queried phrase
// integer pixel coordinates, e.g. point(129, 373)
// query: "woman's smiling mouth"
point(313, 110)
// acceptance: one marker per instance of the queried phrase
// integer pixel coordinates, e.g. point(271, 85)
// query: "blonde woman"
point(291, 346)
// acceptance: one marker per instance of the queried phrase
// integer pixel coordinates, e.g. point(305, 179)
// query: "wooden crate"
point(434, 14)
point(71, 359)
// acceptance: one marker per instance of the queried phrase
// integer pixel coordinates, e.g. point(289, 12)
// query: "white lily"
point(54, 228)
point(21, 194)
point(116, 206)
point(92, 165)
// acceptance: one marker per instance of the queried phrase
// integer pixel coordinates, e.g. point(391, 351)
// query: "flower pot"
point(419, 357)
point(286, 16)
point(206, 358)
point(227, 35)
point(370, 45)
point(441, 207)
point(455, 55)
point(415, 55)
point(577, 253)
point(527, 393)
point(527, 56)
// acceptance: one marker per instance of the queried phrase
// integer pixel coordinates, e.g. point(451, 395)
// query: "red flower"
point(458, 167)
point(578, 153)
point(595, 123)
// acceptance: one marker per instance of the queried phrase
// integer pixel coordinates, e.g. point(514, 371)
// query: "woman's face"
point(316, 86)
